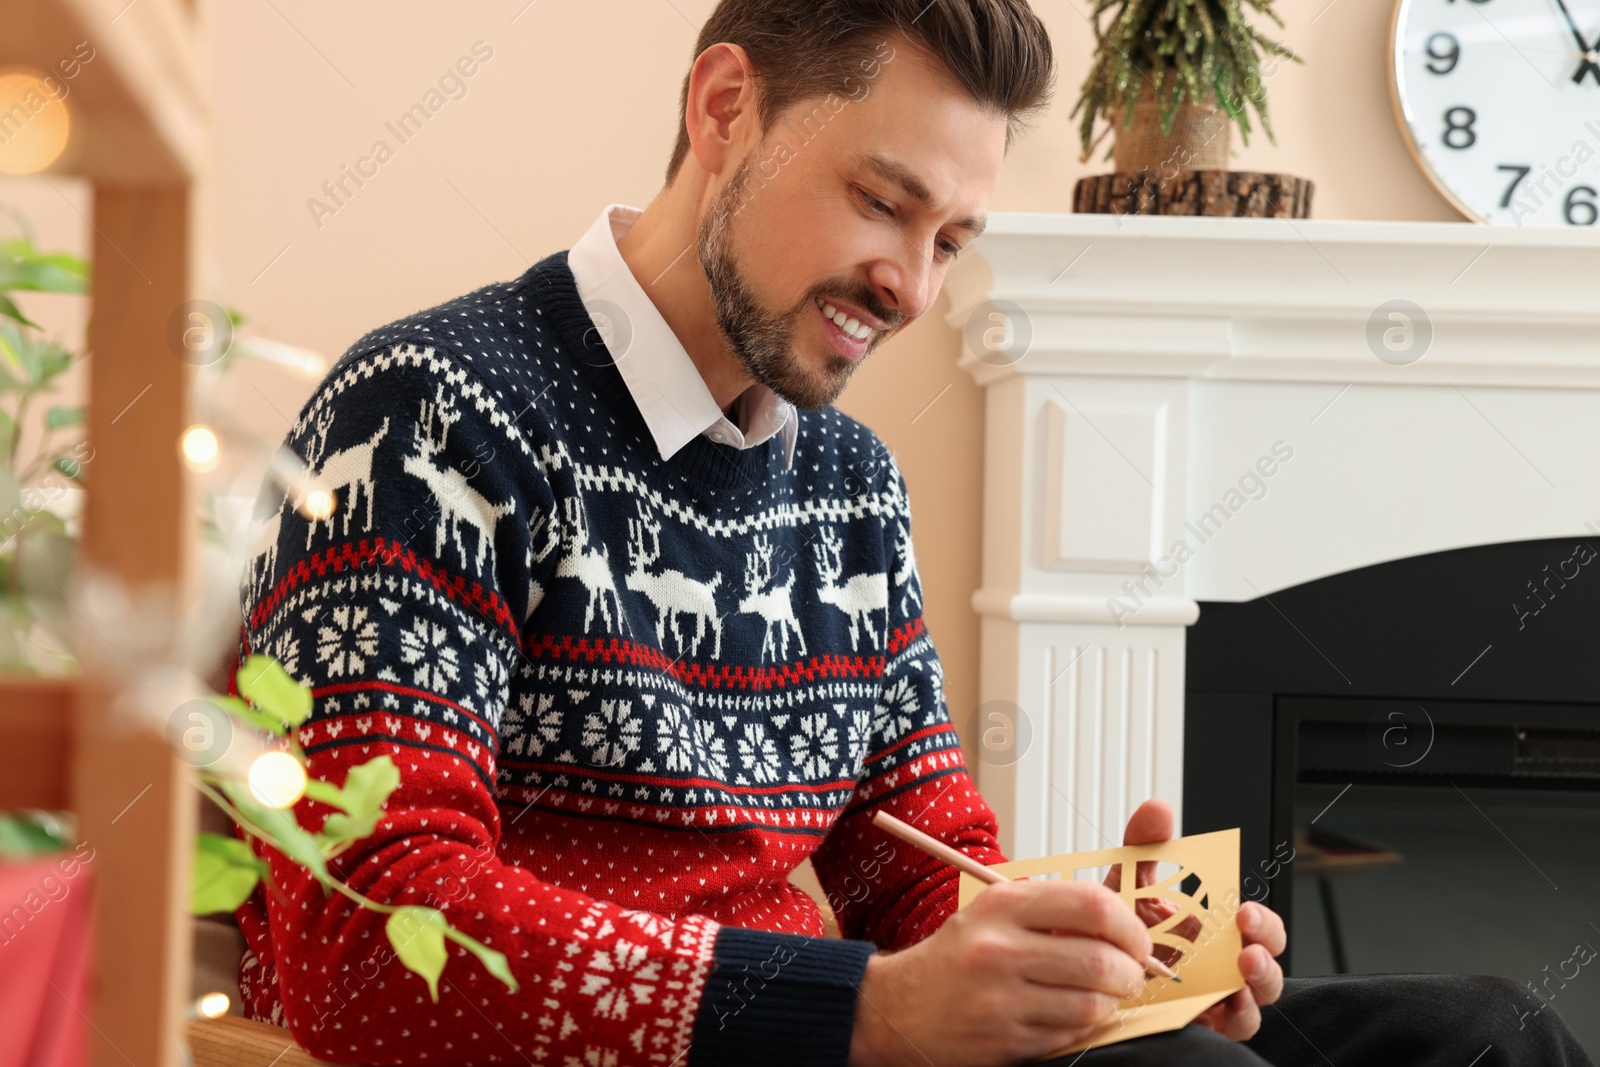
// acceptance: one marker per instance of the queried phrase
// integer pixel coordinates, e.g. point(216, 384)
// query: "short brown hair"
point(997, 50)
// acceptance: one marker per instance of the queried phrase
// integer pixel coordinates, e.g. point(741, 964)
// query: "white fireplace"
point(1191, 409)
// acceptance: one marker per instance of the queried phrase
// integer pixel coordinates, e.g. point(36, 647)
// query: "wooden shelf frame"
point(141, 136)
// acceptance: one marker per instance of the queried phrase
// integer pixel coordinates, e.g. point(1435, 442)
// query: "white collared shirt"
point(666, 385)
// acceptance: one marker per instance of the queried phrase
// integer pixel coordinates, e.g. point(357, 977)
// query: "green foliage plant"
point(35, 546)
point(1182, 51)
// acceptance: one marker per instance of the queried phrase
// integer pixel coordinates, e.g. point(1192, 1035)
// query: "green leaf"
point(325, 792)
point(46, 570)
point(366, 788)
point(30, 357)
point(225, 874)
point(9, 309)
point(53, 272)
point(52, 359)
point(347, 831)
point(59, 416)
point(11, 344)
point(265, 683)
point(20, 838)
point(342, 827)
point(69, 466)
point(282, 831)
point(8, 427)
point(494, 962)
point(245, 713)
point(417, 935)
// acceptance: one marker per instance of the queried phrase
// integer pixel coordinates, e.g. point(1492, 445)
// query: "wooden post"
point(132, 795)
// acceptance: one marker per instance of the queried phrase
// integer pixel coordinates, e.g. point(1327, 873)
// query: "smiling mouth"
point(850, 347)
point(848, 326)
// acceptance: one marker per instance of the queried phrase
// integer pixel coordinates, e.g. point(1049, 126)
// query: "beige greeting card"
point(1204, 929)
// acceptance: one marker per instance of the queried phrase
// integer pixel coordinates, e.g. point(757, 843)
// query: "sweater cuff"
point(778, 999)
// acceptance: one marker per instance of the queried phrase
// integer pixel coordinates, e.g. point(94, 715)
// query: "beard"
point(764, 342)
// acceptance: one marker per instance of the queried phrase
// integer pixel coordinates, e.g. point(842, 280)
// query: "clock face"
point(1501, 102)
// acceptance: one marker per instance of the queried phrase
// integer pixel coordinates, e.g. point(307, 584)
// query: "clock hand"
point(1588, 64)
point(1583, 46)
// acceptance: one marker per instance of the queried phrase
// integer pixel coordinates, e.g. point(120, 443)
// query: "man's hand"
point(1027, 968)
point(1261, 929)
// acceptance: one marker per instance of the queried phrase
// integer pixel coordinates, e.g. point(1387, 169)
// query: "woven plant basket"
point(1199, 139)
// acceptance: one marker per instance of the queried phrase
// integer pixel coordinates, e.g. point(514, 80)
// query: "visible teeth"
point(849, 325)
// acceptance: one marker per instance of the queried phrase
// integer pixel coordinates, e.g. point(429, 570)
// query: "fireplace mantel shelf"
point(1287, 300)
point(1182, 410)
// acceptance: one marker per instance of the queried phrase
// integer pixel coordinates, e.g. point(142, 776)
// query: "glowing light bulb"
point(37, 122)
point(318, 506)
point(277, 779)
point(200, 447)
point(212, 1006)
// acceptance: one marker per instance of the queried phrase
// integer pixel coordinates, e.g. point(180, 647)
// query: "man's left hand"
point(1261, 930)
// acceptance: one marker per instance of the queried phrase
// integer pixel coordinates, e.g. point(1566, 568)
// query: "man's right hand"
point(1027, 968)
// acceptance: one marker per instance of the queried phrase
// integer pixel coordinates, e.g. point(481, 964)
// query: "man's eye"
point(876, 205)
point(950, 250)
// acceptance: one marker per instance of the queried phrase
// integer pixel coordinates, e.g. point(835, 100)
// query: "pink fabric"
point(46, 930)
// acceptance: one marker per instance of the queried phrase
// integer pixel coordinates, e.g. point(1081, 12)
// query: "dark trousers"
point(1371, 1020)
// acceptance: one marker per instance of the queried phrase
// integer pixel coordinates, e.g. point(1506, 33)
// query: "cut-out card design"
point(1190, 908)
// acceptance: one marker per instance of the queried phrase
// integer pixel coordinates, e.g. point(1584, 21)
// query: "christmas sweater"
point(626, 696)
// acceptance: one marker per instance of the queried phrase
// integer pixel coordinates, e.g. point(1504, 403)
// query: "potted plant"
point(1172, 77)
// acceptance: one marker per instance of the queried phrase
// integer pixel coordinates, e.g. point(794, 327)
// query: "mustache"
point(868, 303)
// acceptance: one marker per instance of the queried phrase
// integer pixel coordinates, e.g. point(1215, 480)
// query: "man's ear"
point(720, 113)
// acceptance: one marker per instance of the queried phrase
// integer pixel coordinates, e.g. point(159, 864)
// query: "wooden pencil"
point(938, 849)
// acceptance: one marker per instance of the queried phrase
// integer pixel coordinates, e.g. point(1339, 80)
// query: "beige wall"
point(577, 109)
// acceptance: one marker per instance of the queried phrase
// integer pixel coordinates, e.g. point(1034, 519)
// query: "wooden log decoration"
point(1230, 193)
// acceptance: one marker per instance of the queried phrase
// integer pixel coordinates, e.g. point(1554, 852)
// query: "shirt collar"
point(665, 384)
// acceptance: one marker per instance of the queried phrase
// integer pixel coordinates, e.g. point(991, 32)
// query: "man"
point(635, 612)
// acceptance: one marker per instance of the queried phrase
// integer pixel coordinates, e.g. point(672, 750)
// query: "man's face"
point(794, 224)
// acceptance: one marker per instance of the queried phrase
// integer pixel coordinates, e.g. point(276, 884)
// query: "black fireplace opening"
point(1412, 753)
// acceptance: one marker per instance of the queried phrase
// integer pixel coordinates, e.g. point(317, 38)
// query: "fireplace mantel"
point(1191, 409)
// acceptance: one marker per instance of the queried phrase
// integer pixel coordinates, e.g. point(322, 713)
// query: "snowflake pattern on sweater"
point(627, 697)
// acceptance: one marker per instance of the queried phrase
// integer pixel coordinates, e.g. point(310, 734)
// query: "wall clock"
point(1499, 103)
